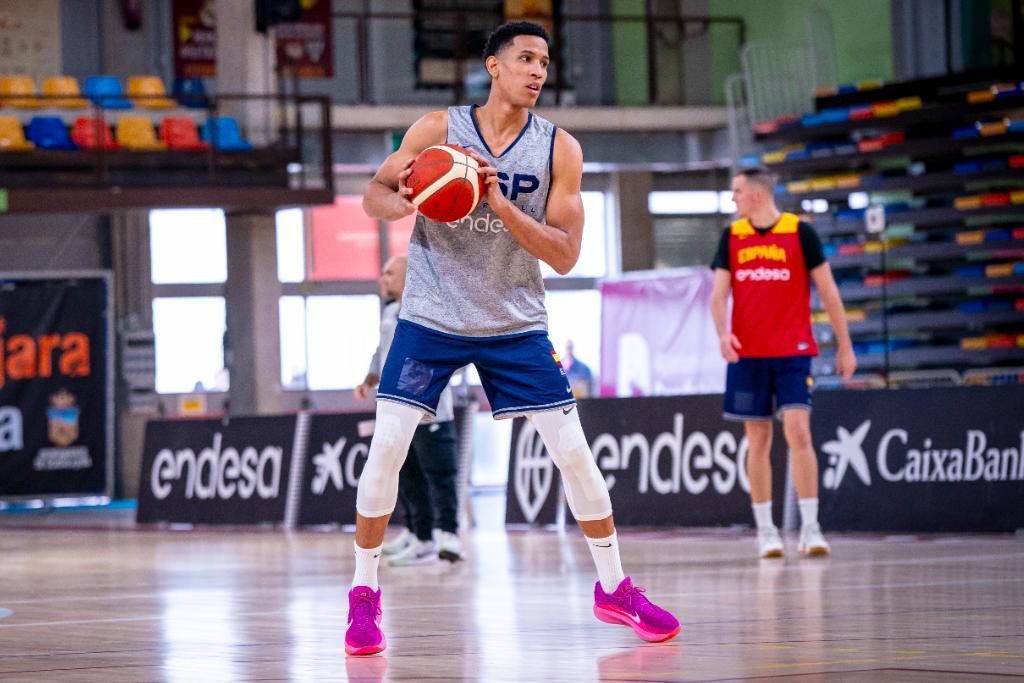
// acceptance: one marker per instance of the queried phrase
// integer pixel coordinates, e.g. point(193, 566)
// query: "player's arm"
point(556, 242)
point(846, 361)
point(727, 341)
point(386, 197)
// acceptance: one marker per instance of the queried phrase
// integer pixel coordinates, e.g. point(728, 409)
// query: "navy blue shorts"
point(520, 373)
point(756, 388)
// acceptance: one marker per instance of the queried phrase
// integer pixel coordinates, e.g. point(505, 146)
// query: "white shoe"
point(398, 544)
point(812, 542)
point(449, 547)
point(418, 552)
point(769, 543)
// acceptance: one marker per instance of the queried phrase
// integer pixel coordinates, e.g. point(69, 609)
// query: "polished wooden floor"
point(103, 601)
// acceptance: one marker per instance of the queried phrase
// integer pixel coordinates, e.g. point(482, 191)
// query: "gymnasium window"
point(593, 260)
point(687, 225)
point(188, 246)
point(327, 341)
point(188, 268)
point(189, 335)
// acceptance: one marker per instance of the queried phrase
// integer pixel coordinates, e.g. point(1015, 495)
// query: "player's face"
point(744, 195)
point(522, 69)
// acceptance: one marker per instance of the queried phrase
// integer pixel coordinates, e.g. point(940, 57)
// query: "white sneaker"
point(769, 543)
point(398, 544)
point(418, 552)
point(449, 547)
point(812, 542)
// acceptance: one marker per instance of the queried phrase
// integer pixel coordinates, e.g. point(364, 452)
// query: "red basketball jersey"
point(771, 290)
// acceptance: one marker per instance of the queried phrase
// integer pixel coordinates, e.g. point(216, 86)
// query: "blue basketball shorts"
point(520, 373)
point(756, 388)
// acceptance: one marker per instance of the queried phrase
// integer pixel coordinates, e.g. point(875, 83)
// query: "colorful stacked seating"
point(223, 133)
point(48, 132)
point(63, 92)
point(136, 133)
point(92, 133)
point(106, 92)
point(19, 92)
point(180, 132)
point(148, 92)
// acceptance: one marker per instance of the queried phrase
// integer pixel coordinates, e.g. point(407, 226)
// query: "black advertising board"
point(56, 424)
point(921, 459)
point(533, 481)
point(338, 446)
point(216, 472)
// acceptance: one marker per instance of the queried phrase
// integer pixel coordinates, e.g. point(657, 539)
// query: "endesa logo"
point(763, 274)
point(693, 463)
point(217, 473)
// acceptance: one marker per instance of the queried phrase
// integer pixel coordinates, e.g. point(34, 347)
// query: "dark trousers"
point(426, 483)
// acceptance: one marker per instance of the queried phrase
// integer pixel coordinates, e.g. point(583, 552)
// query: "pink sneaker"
point(628, 606)
point(364, 636)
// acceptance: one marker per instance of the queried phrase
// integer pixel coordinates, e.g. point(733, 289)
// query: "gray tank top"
point(471, 277)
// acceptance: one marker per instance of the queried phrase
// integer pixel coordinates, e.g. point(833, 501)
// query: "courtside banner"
point(667, 461)
point(533, 481)
point(338, 446)
point(921, 459)
point(55, 386)
point(216, 472)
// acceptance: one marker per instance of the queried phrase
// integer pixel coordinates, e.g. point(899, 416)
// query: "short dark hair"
point(762, 176)
point(506, 33)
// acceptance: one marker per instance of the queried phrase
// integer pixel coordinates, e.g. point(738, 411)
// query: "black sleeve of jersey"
point(810, 243)
point(721, 259)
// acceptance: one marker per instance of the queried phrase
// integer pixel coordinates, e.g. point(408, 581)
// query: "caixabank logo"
point(902, 455)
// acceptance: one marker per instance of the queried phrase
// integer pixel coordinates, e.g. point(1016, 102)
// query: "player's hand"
point(729, 345)
point(846, 362)
point(404, 207)
point(492, 191)
point(362, 391)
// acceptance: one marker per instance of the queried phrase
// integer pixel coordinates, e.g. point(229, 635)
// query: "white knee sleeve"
point(378, 484)
point(585, 488)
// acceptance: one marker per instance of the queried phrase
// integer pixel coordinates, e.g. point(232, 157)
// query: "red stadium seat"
point(92, 133)
point(180, 132)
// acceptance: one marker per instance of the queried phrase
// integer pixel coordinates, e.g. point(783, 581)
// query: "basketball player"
point(475, 295)
point(768, 259)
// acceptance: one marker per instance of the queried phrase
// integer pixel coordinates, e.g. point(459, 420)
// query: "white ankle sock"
point(808, 511)
point(367, 560)
point(763, 515)
point(605, 552)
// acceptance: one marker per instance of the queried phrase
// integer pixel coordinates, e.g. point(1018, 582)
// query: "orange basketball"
point(445, 183)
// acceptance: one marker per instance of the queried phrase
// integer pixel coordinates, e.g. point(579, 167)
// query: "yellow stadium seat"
point(18, 91)
point(136, 133)
point(148, 92)
point(12, 136)
point(63, 92)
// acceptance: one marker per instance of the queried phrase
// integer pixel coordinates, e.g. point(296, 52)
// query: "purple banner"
point(658, 337)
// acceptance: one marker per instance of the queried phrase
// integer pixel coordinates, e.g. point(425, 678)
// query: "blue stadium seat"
point(190, 92)
point(224, 134)
point(106, 92)
point(48, 132)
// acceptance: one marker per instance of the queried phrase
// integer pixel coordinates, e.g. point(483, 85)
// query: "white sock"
point(808, 511)
point(763, 515)
point(367, 560)
point(605, 552)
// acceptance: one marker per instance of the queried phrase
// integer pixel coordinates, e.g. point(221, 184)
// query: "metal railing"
point(665, 37)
